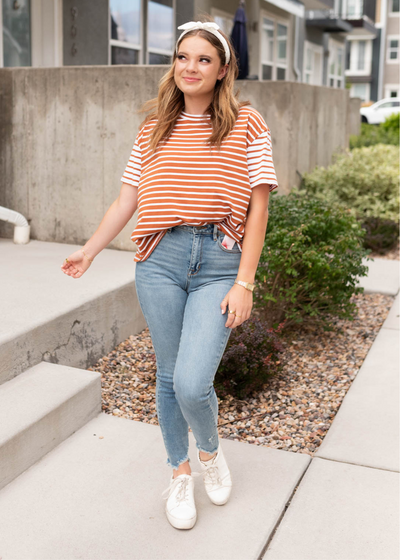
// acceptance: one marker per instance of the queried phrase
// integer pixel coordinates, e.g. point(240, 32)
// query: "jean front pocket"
point(235, 248)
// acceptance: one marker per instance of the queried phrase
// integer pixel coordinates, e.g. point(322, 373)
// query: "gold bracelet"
point(86, 255)
point(246, 285)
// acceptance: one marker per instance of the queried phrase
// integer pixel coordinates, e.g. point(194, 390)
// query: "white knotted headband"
point(210, 26)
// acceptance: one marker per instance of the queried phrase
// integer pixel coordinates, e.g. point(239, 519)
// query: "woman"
point(200, 170)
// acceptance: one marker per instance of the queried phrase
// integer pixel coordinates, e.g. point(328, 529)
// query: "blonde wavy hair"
point(224, 107)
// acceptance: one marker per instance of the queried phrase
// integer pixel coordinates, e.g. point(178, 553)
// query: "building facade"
point(320, 42)
point(388, 23)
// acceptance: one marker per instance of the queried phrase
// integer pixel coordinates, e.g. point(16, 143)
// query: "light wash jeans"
point(180, 287)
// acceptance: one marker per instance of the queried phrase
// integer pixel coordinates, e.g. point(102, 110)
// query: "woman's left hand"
point(239, 300)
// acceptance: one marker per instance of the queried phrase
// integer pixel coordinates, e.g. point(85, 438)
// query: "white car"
point(379, 111)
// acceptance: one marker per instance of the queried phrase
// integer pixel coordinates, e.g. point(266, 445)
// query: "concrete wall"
point(66, 135)
point(354, 121)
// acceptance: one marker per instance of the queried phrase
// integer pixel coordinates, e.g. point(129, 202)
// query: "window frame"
point(391, 13)
point(125, 44)
point(275, 65)
point(354, 56)
point(346, 15)
point(216, 12)
point(368, 91)
point(388, 49)
point(336, 46)
point(152, 50)
point(391, 87)
point(313, 48)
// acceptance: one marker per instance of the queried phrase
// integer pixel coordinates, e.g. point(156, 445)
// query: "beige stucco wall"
point(392, 72)
point(67, 133)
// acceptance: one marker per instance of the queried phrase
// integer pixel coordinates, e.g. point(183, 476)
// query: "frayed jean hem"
point(168, 462)
point(207, 450)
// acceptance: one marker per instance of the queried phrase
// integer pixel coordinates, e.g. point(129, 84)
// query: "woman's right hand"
point(76, 264)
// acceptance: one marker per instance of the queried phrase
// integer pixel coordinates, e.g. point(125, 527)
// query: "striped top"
point(185, 182)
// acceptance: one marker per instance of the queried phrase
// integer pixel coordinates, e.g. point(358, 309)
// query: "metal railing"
point(332, 14)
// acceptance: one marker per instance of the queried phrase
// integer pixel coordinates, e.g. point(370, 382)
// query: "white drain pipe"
point(22, 228)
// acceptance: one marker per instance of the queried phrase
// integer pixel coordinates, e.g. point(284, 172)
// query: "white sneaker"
point(180, 507)
point(217, 477)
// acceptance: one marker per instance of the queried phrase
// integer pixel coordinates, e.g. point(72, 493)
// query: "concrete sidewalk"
point(383, 277)
point(347, 504)
point(97, 495)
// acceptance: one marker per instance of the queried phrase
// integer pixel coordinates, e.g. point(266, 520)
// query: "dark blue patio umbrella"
point(239, 41)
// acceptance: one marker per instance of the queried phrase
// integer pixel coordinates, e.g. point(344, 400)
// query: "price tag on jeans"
point(228, 242)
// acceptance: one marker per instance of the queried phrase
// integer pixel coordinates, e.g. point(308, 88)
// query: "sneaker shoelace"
point(182, 492)
point(212, 475)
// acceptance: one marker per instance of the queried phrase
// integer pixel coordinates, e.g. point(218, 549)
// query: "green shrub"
point(310, 261)
point(371, 134)
point(366, 180)
point(392, 123)
point(380, 235)
point(250, 358)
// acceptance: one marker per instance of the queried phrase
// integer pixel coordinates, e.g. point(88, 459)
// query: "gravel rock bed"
point(295, 408)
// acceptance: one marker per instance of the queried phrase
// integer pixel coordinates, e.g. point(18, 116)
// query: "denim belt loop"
point(215, 232)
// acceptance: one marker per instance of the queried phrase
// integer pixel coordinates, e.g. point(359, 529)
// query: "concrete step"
point(39, 409)
point(48, 316)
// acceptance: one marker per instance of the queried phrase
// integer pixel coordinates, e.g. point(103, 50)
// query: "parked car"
point(379, 111)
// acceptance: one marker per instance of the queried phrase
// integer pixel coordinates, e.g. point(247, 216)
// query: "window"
point(348, 55)
point(267, 47)
point(312, 72)
point(125, 31)
point(224, 20)
point(16, 33)
point(340, 63)
point(335, 66)
point(360, 90)
point(393, 49)
point(352, 9)
point(392, 90)
point(274, 42)
point(394, 7)
point(388, 105)
point(360, 57)
point(308, 66)
point(160, 31)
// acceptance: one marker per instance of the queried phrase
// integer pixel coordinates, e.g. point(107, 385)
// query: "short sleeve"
point(134, 167)
point(259, 153)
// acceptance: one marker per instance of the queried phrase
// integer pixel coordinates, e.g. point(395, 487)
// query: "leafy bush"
point(250, 358)
point(380, 235)
point(310, 261)
point(366, 180)
point(371, 134)
point(392, 123)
